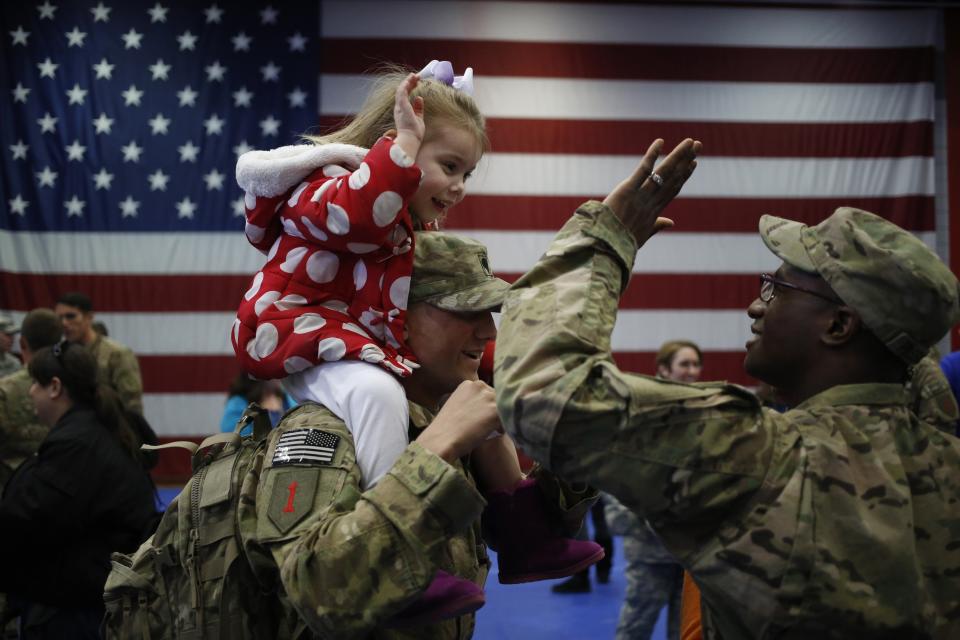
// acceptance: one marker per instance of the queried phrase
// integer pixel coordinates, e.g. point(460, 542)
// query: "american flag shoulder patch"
point(305, 446)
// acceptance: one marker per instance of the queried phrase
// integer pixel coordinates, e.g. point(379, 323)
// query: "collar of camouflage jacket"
point(845, 394)
point(420, 417)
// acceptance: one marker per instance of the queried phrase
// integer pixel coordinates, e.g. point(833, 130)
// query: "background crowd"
point(654, 578)
point(76, 484)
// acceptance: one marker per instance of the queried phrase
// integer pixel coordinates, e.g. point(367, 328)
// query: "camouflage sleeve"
point(20, 430)
point(359, 558)
point(6, 425)
point(125, 379)
point(620, 520)
point(931, 397)
point(667, 450)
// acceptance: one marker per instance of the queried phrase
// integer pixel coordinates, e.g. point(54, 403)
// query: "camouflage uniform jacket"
point(930, 395)
point(838, 519)
point(624, 522)
point(344, 561)
point(8, 364)
point(20, 431)
point(120, 370)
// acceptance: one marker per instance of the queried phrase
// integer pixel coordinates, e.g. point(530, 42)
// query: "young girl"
point(328, 310)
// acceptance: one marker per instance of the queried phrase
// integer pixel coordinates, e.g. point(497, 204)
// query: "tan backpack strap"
point(260, 418)
point(225, 438)
point(193, 447)
point(178, 444)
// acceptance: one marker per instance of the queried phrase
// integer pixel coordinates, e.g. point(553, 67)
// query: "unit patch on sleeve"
point(305, 446)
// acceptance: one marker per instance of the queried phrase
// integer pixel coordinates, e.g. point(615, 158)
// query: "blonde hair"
point(670, 348)
point(375, 118)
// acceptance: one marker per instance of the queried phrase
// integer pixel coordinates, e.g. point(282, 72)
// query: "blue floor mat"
point(532, 611)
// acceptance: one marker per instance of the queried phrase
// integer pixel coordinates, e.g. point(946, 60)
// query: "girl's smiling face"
point(447, 158)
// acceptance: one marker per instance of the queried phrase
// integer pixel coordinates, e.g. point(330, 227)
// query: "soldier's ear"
point(55, 387)
point(844, 325)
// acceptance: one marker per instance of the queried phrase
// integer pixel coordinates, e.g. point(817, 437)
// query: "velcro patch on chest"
point(305, 447)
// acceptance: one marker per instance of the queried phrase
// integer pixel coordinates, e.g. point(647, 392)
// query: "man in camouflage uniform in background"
point(837, 519)
point(20, 431)
point(653, 576)
point(930, 395)
point(347, 563)
point(8, 362)
point(118, 365)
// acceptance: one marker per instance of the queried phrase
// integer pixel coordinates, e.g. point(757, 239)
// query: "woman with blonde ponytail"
point(83, 496)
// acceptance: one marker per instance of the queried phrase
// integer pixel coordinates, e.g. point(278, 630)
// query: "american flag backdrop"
point(120, 183)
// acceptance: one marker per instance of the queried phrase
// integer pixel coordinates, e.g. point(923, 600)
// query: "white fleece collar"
point(267, 174)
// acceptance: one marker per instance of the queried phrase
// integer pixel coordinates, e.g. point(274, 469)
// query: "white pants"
point(369, 400)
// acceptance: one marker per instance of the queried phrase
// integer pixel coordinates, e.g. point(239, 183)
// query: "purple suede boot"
point(447, 596)
point(529, 546)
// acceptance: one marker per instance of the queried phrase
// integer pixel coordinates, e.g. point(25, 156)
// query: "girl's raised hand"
point(408, 117)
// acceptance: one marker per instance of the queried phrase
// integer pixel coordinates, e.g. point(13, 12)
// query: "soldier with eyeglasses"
point(839, 518)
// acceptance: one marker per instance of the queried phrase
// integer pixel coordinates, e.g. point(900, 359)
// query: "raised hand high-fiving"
point(408, 116)
point(640, 198)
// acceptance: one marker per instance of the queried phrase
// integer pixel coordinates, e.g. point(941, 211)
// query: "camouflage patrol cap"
point(453, 273)
point(904, 294)
point(7, 324)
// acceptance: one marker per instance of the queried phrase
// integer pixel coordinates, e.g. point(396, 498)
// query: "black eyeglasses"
point(769, 284)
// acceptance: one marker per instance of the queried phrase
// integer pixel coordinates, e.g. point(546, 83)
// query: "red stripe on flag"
point(145, 293)
point(645, 291)
point(620, 61)
point(213, 374)
point(188, 374)
point(729, 139)
point(731, 215)
point(951, 56)
point(732, 139)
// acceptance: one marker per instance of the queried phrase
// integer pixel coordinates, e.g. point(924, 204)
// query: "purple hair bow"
point(442, 71)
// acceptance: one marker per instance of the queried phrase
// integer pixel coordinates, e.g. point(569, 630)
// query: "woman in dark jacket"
point(84, 495)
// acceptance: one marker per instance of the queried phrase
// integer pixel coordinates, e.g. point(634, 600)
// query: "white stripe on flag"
point(188, 414)
point(510, 252)
point(669, 252)
point(151, 334)
point(128, 253)
point(621, 23)
point(583, 99)
point(554, 174)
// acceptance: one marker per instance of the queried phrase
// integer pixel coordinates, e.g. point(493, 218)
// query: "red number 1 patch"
point(293, 492)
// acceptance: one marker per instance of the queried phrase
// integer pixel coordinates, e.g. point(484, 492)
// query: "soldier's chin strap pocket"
point(122, 575)
point(132, 602)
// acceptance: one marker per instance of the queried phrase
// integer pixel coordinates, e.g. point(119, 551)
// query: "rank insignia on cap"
point(305, 446)
point(485, 264)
